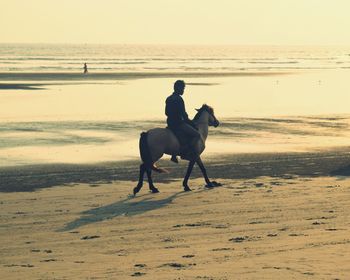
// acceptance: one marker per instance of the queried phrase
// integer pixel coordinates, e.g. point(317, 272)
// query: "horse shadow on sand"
point(131, 206)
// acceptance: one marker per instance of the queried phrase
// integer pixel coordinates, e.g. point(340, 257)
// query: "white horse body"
point(159, 141)
point(163, 140)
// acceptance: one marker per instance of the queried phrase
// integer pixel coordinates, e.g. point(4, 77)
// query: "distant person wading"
point(85, 68)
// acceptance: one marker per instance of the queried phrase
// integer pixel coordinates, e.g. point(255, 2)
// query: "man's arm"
point(185, 115)
point(183, 110)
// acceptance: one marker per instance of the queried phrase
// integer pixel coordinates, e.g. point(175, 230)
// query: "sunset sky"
point(282, 22)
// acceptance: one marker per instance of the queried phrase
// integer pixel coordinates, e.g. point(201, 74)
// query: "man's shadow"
point(125, 207)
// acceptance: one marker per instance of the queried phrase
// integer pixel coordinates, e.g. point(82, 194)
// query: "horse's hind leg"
point(150, 181)
point(140, 183)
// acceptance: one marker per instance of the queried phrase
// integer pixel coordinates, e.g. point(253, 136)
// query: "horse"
point(156, 142)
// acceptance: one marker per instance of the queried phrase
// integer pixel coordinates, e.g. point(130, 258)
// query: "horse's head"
point(212, 120)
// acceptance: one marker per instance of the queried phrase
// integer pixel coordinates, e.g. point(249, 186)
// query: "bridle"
point(211, 113)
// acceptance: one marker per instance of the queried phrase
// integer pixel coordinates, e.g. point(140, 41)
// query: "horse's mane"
point(204, 107)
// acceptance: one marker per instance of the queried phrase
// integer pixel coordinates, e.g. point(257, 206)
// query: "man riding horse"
point(180, 124)
point(156, 142)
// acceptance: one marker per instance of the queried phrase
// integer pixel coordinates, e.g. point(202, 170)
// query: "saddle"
point(181, 137)
point(185, 152)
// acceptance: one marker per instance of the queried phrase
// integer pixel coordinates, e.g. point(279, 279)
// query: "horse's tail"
point(146, 155)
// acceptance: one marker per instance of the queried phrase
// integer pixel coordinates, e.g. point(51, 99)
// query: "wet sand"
point(73, 76)
point(278, 216)
point(27, 178)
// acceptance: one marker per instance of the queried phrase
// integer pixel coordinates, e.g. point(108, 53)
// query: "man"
point(178, 121)
point(85, 68)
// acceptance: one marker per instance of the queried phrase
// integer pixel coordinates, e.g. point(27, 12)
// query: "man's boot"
point(189, 153)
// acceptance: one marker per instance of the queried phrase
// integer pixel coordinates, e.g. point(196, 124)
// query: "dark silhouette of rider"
point(178, 121)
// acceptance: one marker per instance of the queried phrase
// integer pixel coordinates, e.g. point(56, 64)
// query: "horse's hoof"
point(187, 189)
point(154, 190)
point(136, 190)
point(210, 185)
point(216, 184)
point(213, 184)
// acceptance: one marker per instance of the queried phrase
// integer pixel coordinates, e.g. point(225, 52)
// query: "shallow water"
point(24, 143)
point(100, 119)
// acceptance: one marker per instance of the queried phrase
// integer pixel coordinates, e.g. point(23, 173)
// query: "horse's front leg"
point(187, 176)
point(204, 172)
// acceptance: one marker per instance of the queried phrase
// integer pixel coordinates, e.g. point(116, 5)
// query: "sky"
point(238, 22)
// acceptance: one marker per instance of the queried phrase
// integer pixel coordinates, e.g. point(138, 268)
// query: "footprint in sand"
point(316, 223)
point(256, 222)
point(90, 237)
point(140, 265)
point(222, 249)
point(21, 265)
point(220, 226)
point(177, 226)
point(188, 256)
point(198, 224)
point(276, 183)
point(238, 239)
point(167, 240)
point(120, 253)
point(21, 213)
point(298, 234)
point(138, 274)
point(49, 260)
point(178, 265)
point(331, 187)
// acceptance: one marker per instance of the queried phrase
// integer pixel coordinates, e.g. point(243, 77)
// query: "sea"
point(269, 99)
point(176, 58)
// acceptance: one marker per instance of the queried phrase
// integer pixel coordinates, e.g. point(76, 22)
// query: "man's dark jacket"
point(175, 111)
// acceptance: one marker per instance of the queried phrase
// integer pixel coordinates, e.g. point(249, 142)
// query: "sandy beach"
point(260, 228)
point(88, 90)
point(69, 161)
point(263, 223)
